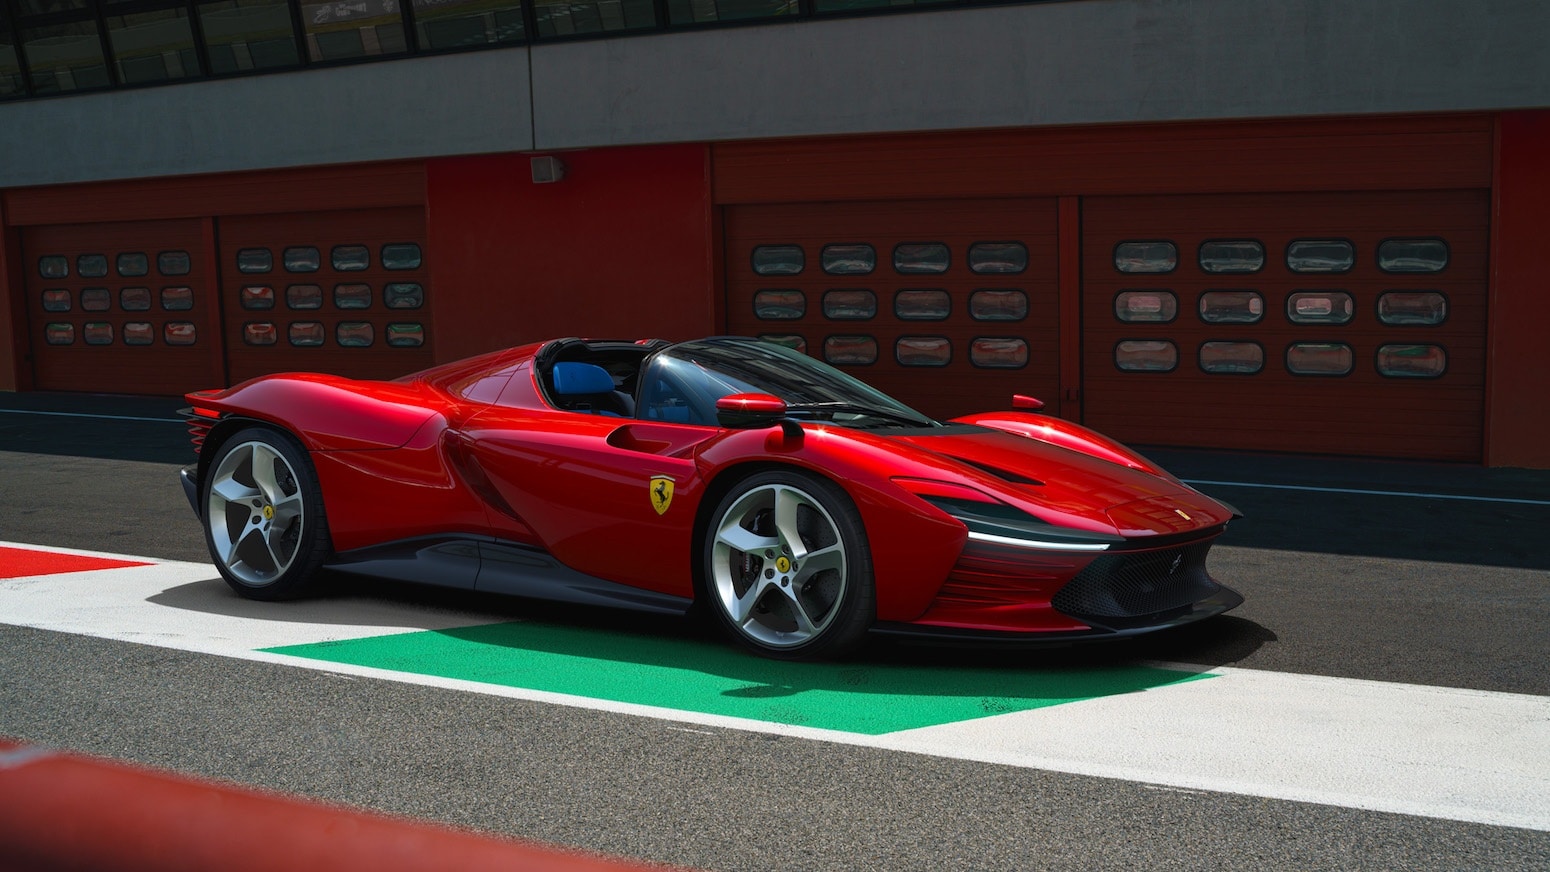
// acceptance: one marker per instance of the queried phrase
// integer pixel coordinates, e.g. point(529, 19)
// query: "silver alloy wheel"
point(255, 513)
point(778, 566)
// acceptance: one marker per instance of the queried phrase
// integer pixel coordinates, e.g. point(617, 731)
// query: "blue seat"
point(587, 387)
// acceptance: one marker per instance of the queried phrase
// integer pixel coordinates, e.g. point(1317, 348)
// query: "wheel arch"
point(230, 426)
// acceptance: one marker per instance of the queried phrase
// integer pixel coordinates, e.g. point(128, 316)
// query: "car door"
point(613, 498)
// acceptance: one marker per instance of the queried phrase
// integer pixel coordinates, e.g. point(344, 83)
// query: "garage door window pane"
point(403, 295)
point(916, 258)
point(789, 340)
point(54, 267)
point(304, 297)
point(134, 299)
point(1240, 358)
point(998, 305)
point(139, 333)
point(922, 305)
point(405, 335)
point(1412, 361)
point(255, 260)
point(1412, 255)
point(855, 305)
point(1146, 355)
point(849, 260)
point(1413, 308)
point(98, 333)
point(1319, 358)
point(96, 299)
point(999, 352)
point(354, 334)
point(779, 304)
point(778, 260)
point(998, 258)
point(173, 263)
point(179, 333)
point(1146, 307)
point(302, 259)
point(850, 350)
point(306, 334)
point(352, 296)
point(401, 255)
point(59, 333)
point(1319, 307)
point(1231, 307)
point(56, 300)
point(1320, 256)
point(133, 264)
point(260, 333)
point(350, 258)
point(923, 351)
point(91, 266)
point(177, 299)
point(1232, 256)
point(257, 297)
point(1154, 256)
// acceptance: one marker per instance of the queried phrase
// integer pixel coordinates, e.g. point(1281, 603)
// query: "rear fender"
point(327, 413)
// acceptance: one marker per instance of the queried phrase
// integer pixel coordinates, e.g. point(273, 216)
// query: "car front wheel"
point(788, 570)
point(264, 521)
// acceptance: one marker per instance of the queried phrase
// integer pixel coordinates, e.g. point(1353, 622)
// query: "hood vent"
point(1004, 475)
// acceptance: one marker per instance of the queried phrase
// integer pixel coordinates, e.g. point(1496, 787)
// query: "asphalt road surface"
point(1367, 580)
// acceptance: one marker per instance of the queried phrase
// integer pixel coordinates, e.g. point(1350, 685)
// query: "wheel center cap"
point(269, 513)
point(782, 564)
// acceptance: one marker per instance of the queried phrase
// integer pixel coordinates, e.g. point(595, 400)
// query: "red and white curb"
point(1452, 753)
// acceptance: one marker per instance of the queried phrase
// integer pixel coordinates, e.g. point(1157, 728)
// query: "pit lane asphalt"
point(1425, 591)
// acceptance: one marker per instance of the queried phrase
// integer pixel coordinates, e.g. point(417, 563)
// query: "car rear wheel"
point(264, 521)
point(788, 570)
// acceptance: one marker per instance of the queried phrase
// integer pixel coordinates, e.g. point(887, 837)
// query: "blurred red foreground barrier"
point(62, 811)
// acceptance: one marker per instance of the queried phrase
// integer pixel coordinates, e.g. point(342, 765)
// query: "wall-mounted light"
point(547, 169)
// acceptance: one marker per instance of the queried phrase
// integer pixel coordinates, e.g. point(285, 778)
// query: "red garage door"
point(1327, 323)
point(121, 308)
point(340, 292)
point(950, 305)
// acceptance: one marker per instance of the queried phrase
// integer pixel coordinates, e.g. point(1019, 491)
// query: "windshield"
point(682, 384)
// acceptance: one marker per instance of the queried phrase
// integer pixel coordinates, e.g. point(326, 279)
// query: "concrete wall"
point(1084, 61)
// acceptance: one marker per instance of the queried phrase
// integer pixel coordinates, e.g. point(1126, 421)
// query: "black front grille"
point(1141, 584)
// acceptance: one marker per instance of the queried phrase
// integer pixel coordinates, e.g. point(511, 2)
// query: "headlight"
point(991, 521)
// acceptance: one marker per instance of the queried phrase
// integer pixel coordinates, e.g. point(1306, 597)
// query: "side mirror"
point(1023, 401)
point(748, 411)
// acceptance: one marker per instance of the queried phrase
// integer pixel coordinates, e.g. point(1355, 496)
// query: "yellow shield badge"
point(661, 488)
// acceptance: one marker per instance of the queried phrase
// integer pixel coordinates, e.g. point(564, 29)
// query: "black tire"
point(766, 594)
point(263, 515)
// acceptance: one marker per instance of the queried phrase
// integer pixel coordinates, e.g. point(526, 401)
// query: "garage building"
point(1283, 226)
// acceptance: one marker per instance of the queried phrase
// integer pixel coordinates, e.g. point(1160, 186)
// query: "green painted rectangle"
point(695, 676)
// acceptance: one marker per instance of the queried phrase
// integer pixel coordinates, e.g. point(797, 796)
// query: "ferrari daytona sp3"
point(797, 505)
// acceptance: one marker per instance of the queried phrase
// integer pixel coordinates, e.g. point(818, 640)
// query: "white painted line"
point(86, 415)
point(1377, 493)
point(1437, 752)
point(1448, 753)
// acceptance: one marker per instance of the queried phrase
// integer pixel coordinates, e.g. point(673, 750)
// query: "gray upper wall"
point(1077, 62)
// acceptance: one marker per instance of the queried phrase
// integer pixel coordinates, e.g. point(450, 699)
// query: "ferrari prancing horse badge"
point(661, 488)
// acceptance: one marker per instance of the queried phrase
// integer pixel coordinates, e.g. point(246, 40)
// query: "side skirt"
point(492, 566)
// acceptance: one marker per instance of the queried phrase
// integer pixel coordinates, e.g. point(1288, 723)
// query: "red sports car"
point(801, 507)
